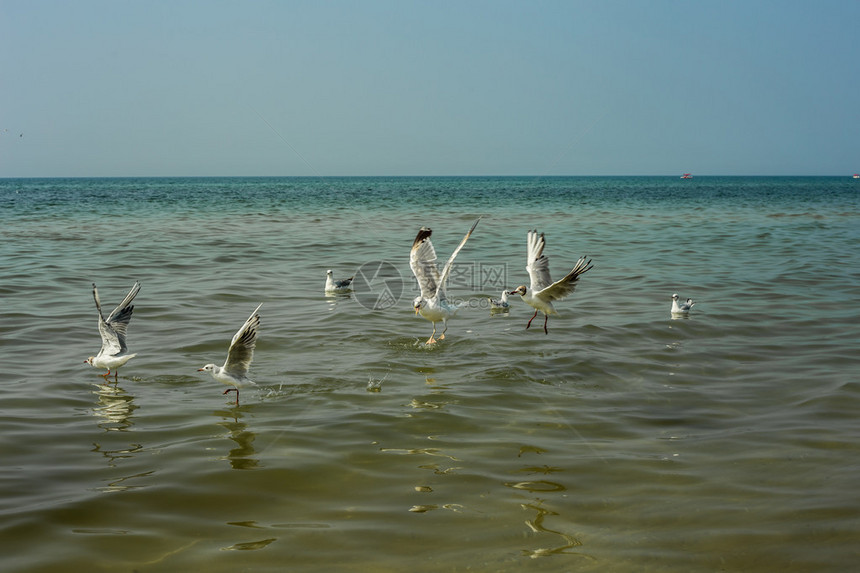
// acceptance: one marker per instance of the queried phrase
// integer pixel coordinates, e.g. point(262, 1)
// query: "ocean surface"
point(622, 440)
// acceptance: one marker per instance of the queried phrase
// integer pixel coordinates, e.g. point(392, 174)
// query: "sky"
point(449, 87)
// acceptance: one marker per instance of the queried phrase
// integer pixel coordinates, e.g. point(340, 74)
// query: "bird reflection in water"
point(114, 409)
point(114, 457)
point(118, 454)
point(537, 526)
point(242, 456)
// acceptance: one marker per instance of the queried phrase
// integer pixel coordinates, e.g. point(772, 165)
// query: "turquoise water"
point(624, 440)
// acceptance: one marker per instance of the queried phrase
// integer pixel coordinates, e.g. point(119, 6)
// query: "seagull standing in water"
point(681, 307)
point(543, 291)
point(432, 304)
point(114, 351)
point(337, 286)
point(235, 370)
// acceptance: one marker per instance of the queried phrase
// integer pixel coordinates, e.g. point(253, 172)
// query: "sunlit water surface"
point(624, 440)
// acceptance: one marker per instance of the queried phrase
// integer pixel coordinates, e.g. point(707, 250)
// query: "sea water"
point(624, 439)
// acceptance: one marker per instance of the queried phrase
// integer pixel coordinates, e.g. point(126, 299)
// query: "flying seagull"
point(114, 351)
point(432, 303)
point(542, 291)
point(235, 370)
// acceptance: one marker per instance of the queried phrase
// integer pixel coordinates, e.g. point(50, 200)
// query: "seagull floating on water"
point(114, 351)
point(681, 307)
point(337, 286)
point(432, 304)
point(500, 303)
point(235, 370)
point(543, 291)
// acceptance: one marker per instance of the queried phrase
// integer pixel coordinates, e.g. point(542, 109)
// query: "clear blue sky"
point(589, 87)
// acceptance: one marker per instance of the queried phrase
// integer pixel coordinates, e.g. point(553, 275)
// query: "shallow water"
point(624, 440)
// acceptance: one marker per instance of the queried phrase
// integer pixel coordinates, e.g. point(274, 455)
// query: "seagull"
point(114, 351)
point(543, 291)
point(235, 370)
point(500, 303)
point(337, 286)
point(432, 303)
point(683, 307)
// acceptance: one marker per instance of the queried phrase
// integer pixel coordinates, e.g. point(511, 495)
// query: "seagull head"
point(675, 296)
point(89, 360)
point(207, 368)
point(520, 290)
point(329, 273)
point(418, 304)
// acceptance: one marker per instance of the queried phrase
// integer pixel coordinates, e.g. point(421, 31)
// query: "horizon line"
point(673, 175)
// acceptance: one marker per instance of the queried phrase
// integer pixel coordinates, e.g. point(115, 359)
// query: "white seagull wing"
point(110, 341)
point(113, 330)
point(422, 261)
point(564, 287)
point(537, 263)
point(447, 269)
point(121, 315)
point(242, 346)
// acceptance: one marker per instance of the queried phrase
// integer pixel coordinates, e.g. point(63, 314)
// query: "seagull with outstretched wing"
point(235, 370)
point(433, 303)
point(542, 290)
point(114, 351)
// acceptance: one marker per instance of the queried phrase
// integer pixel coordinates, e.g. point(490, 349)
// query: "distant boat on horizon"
point(687, 176)
point(856, 176)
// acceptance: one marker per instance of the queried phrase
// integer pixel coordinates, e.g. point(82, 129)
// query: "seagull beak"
point(416, 311)
point(200, 370)
point(513, 292)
